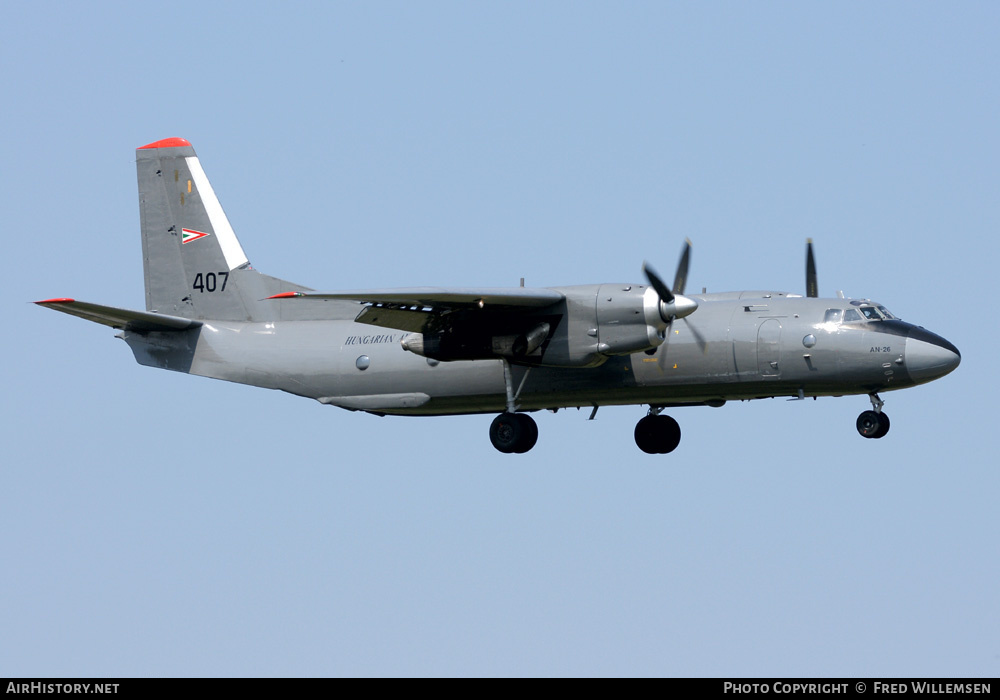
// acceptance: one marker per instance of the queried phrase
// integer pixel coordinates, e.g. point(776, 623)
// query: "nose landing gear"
point(873, 424)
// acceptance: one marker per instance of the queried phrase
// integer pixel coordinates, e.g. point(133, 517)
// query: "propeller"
point(673, 304)
point(812, 286)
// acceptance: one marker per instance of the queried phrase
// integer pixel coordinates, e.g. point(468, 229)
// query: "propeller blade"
point(698, 337)
point(812, 286)
point(656, 283)
point(661, 360)
point(680, 280)
point(674, 305)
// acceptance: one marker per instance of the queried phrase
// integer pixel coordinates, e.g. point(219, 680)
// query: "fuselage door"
point(769, 349)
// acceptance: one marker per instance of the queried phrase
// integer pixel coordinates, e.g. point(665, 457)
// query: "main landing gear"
point(873, 424)
point(656, 434)
point(512, 432)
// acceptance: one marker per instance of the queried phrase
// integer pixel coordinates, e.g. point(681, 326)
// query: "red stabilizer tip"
point(285, 295)
point(64, 300)
point(166, 143)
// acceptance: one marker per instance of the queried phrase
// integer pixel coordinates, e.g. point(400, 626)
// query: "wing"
point(127, 319)
point(420, 309)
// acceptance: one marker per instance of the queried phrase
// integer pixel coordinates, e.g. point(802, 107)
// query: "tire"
point(645, 435)
point(883, 426)
point(513, 433)
point(868, 424)
point(657, 435)
point(669, 434)
point(530, 433)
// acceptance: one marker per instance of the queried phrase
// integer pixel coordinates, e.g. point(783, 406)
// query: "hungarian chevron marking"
point(188, 235)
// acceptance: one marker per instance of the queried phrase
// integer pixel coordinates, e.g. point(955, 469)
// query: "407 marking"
point(210, 281)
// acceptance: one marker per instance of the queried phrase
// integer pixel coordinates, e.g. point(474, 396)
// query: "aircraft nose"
point(929, 356)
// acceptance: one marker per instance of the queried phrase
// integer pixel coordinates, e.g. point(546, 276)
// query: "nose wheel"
point(657, 435)
point(874, 423)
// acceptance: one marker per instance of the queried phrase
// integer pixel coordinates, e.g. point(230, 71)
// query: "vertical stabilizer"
point(193, 263)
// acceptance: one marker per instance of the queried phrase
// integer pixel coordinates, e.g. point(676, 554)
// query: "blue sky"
point(158, 524)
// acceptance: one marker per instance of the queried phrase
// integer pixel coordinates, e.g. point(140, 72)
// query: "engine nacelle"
point(476, 346)
point(516, 346)
point(442, 346)
point(629, 319)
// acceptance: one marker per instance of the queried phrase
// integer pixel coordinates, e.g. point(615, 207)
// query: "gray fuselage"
point(744, 345)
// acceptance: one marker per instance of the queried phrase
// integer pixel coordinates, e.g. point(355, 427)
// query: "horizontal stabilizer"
point(126, 319)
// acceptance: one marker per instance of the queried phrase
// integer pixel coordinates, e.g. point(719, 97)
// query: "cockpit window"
point(863, 311)
point(885, 312)
point(833, 315)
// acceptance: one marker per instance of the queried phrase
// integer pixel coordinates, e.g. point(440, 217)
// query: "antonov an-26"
point(512, 351)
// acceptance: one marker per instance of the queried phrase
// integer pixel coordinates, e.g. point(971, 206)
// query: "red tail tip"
point(286, 295)
point(167, 143)
point(62, 300)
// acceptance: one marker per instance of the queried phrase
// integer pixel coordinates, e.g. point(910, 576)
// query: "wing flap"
point(125, 319)
point(399, 319)
point(434, 298)
point(415, 309)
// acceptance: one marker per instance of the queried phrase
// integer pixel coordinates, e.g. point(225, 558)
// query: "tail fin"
point(194, 265)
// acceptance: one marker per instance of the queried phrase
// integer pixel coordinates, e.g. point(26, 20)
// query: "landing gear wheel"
point(657, 435)
point(883, 428)
point(513, 433)
point(873, 425)
point(532, 432)
point(645, 435)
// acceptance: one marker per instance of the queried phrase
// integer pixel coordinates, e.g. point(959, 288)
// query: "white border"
point(231, 248)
